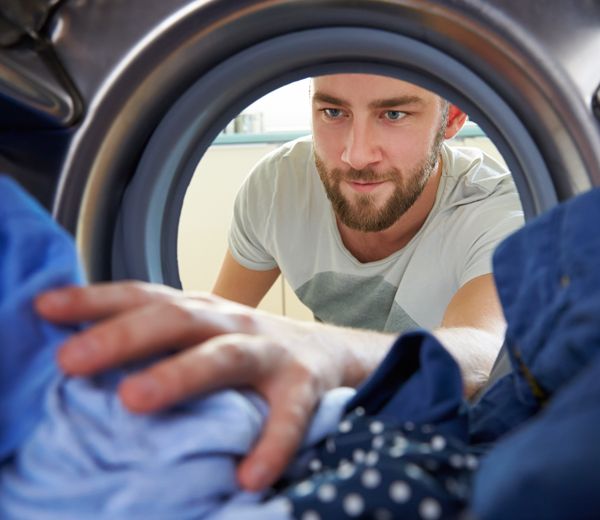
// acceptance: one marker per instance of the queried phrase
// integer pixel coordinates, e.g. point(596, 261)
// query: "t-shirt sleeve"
point(496, 219)
point(251, 218)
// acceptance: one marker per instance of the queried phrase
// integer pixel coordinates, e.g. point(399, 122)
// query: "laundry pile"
point(404, 445)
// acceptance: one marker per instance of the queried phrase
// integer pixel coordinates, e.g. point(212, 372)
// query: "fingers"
point(75, 304)
point(232, 360)
point(235, 360)
point(138, 334)
point(287, 423)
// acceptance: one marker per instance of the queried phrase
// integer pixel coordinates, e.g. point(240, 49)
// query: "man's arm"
point(240, 284)
point(223, 344)
point(473, 329)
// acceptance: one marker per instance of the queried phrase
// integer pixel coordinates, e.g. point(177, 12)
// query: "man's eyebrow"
point(396, 102)
point(378, 103)
point(327, 98)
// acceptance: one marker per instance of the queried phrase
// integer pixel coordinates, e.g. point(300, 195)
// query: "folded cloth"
point(35, 255)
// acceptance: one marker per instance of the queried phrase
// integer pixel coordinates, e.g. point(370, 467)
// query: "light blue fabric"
point(70, 450)
point(91, 458)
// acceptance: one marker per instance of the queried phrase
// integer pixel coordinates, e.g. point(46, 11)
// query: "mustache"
point(364, 175)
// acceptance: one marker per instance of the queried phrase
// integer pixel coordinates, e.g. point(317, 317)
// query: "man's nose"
point(361, 148)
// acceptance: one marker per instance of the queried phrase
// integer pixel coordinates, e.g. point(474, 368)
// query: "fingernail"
point(141, 390)
point(56, 298)
point(78, 356)
point(258, 476)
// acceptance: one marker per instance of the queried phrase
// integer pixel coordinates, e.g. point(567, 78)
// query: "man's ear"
point(456, 120)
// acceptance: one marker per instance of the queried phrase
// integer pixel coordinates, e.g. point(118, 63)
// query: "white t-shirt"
point(282, 217)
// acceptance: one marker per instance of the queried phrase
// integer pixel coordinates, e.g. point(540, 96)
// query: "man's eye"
point(394, 115)
point(332, 113)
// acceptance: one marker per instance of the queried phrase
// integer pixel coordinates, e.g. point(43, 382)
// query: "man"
point(413, 224)
point(377, 140)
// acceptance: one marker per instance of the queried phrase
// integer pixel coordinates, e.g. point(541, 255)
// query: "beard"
point(363, 214)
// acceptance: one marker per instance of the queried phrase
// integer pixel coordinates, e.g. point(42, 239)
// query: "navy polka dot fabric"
point(400, 450)
point(377, 469)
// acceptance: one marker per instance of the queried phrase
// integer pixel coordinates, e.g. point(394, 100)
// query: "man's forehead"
point(367, 88)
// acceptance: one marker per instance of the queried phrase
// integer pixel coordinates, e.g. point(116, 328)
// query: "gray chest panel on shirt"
point(355, 301)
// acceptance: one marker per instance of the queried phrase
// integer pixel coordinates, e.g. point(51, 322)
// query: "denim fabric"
point(535, 429)
point(548, 279)
point(545, 415)
point(549, 467)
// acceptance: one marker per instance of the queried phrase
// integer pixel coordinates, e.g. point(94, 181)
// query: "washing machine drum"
point(107, 107)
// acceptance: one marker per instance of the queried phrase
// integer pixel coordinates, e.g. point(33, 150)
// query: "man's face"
point(377, 142)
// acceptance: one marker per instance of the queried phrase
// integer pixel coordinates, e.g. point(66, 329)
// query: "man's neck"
point(377, 245)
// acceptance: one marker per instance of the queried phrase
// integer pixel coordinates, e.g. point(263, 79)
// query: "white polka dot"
point(378, 442)
point(330, 446)
point(305, 488)
point(397, 451)
point(376, 427)
point(311, 515)
point(471, 461)
point(409, 426)
point(346, 470)
point(457, 461)
point(382, 514)
point(358, 456)
point(413, 471)
point(315, 465)
point(327, 493)
point(430, 509)
point(400, 441)
point(371, 478)
point(372, 458)
point(345, 426)
point(400, 491)
point(438, 443)
point(360, 411)
point(354, 505)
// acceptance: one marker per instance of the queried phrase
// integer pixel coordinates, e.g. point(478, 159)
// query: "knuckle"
point(245, 322)
point(179, 312)
point(138, 291)
point(231, 354)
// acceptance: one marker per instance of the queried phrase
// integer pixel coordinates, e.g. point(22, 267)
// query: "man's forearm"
point(359, 352)
point(474, 350)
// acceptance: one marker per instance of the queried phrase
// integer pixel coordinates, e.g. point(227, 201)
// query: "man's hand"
point(215, 344)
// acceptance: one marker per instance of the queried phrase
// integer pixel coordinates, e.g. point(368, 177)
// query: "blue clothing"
point(545, 416)
point(69, 448)
point(35, 255)
point(407, 445)
point(89, 458)
point(530, 449)
point(401, 450)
